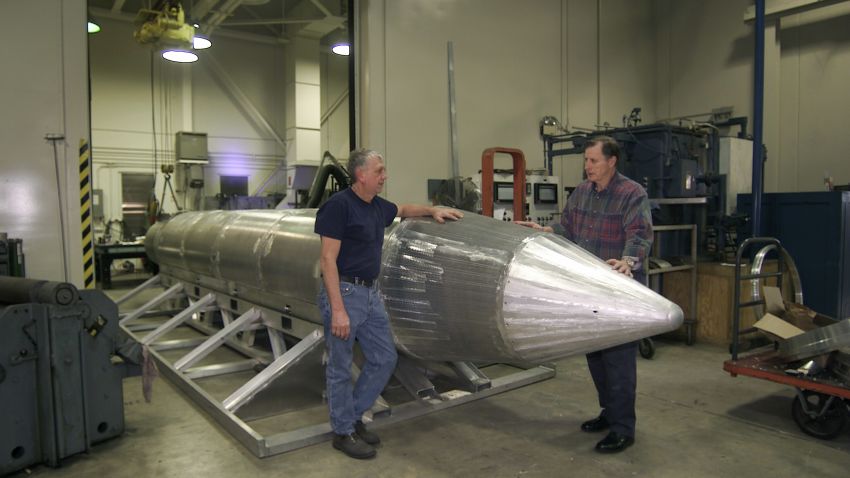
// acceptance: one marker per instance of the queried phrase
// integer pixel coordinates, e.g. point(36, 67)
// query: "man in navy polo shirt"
point(352, 226)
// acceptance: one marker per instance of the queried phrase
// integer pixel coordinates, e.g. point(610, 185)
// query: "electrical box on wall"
point(191, 148)
point(97, 205)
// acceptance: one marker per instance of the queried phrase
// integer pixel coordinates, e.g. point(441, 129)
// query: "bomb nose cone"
point(561, 300)
point(675, 316)
point(486, 290)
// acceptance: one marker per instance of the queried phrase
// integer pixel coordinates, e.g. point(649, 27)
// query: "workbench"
point(104, 254)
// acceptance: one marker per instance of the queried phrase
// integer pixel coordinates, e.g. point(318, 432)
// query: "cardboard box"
point(777, 327)
point(773, 302)
point(801, 316)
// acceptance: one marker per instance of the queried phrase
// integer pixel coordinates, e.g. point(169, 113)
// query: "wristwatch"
point(630, 261)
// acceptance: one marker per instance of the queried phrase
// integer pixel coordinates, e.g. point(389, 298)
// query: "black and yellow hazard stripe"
point(85, 215)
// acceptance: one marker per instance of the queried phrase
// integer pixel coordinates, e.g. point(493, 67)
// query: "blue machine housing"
point(669, 161)
point(813, 227)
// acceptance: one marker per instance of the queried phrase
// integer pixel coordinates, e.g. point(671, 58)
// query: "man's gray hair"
point(358, 159)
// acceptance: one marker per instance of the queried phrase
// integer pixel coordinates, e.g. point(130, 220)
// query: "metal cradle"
point(292, 341)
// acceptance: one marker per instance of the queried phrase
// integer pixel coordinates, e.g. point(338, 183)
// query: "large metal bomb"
point(477, 289)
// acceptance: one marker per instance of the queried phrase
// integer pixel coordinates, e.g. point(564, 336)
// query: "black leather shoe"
point(596, 425)
point(367, 436)
point(614, 443)
point(354, 446)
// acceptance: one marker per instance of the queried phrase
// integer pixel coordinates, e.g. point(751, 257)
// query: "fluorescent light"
point(180, 56)
point(343, 49)
point(93, 27)
point(199, 43)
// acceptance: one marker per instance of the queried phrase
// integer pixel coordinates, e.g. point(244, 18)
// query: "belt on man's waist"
point(357, 280)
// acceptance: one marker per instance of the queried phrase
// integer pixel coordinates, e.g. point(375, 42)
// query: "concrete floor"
point(693, 420)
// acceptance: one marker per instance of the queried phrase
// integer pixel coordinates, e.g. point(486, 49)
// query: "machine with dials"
point(542, 203)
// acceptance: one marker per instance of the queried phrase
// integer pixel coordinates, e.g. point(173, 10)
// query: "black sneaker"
point(367, 436)
point(354, 446)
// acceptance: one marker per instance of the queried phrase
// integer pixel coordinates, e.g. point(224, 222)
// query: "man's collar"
point(355, 193)
point(617, 177)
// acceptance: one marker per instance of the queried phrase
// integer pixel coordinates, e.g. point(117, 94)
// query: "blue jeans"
point(370, 326)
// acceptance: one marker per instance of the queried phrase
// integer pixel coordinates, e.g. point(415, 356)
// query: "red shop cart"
point(821, 407)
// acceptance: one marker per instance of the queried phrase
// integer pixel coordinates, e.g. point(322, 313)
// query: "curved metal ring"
point(758, 262)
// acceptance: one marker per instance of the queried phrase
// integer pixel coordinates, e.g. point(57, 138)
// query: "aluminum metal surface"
point(269, 250)
point(484, 290)
point(477, 289)
point(841, 365)
point(815, 342)
point(794, 274)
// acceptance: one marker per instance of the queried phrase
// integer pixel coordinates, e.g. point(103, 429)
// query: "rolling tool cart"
point(821, 407)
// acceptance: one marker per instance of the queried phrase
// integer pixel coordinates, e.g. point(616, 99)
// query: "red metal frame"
point(766, 366)
point(487, 181)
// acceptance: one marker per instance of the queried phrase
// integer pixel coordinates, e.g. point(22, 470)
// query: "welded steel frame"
point(426, 399)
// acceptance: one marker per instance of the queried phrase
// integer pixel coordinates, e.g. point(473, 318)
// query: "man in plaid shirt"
point(608, 215)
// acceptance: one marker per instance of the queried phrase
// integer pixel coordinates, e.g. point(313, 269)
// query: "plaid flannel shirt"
point(612, 223)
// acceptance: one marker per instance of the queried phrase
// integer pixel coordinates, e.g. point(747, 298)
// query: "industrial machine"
point(464, 298)
point(60, 389)
point(541, 196)
point(12, 261)
point(164, 27)
point(516, 194)
point(234, 203)
point(691, 172)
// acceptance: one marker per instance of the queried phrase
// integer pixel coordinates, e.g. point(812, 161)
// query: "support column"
point(303, 115)
point(773, 168)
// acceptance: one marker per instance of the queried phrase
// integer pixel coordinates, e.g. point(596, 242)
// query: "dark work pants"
point(614, 373)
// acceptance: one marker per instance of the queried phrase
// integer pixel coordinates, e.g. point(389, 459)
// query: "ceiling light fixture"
point(343, 49)
point(93, 27)
point(179, 56)
point(200, 43)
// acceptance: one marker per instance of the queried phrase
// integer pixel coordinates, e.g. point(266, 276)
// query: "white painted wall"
point(814, 93)
point(704, 57)
point(514, 64)
point(43, 90)
point(609, 68)
point(704, 60)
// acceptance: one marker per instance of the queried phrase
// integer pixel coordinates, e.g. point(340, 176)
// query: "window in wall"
point(233, 185)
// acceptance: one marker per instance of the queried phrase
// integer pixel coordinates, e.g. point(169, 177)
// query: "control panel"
point(541, 196)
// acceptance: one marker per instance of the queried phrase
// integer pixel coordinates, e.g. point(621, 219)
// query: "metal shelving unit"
point(653, 274)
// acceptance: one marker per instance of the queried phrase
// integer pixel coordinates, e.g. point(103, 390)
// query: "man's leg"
point(597, 372)
point(338, 374)
point(620, 364)
point(377, 345)
point(338, 369)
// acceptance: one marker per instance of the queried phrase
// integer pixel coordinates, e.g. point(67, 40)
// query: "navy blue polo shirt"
point(360, 226)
